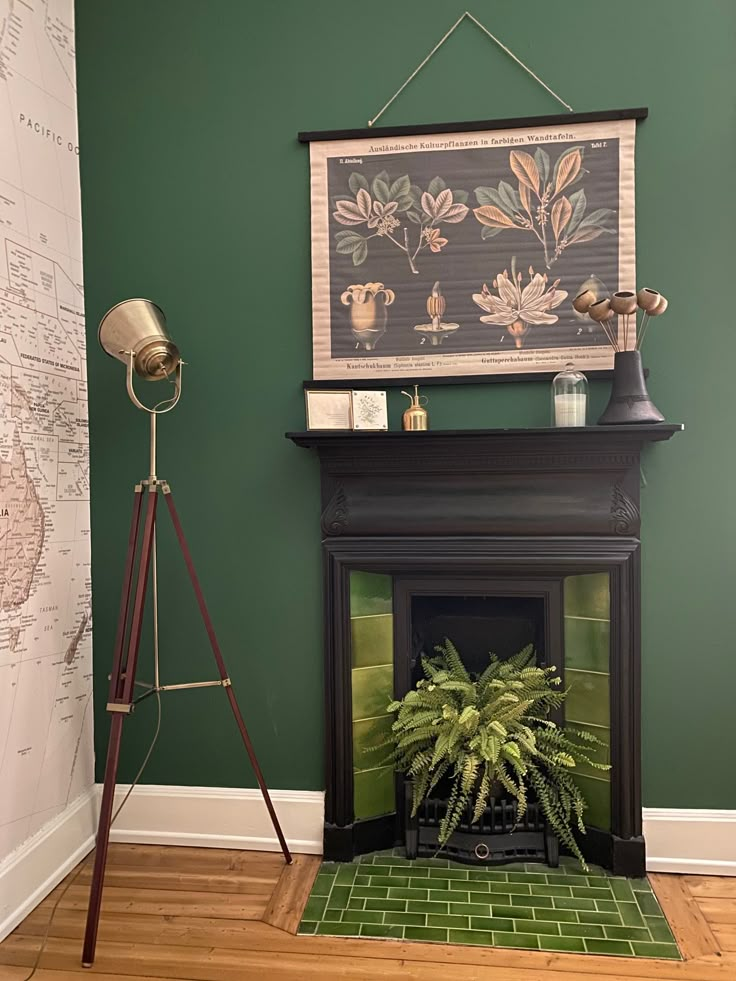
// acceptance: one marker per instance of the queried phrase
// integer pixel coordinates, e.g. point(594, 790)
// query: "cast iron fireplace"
point(502, 537)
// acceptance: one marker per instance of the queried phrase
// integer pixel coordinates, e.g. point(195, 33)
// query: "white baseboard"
point(220, 818)
point(687, 840)
point(29, 873)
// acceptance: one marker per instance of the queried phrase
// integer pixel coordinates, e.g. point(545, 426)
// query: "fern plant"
point(478, 731)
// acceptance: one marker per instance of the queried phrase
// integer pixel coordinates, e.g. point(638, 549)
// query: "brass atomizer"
point(416, 417)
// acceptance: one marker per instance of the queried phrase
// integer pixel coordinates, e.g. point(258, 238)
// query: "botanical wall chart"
point(460, 253)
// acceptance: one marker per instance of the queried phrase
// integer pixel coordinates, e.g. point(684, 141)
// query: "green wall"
point(195, 193)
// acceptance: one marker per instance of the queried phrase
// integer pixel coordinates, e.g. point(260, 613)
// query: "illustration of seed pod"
point(593, 285)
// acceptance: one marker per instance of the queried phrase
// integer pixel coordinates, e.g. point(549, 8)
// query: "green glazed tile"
point(447, 920)
point(488, 875)
point(504, 911)
point(606, 906)
point(431, 863)
point(361, 916)
point(315, 907)
point(608, 919)
point(559, 892)
point(346, 875)
point(621, 889)
point(368, 734)
point(339, 896)
point(322, 885)
point(597, 795)
point(372, 640)
point(566, 879)
point(587, 700)
point(622, 947)
point(383, 930)
point(444, 896)
point(369, 892)
point(626, 933)
point(333, 914)
point(475, 909)
point(433, 934)
point(528, 878)
point(581, 930)
point(412, 872)
point(388, 905)
point(475, 884)
point(370, 593)
point(568, 945)
point(471, 937)
point(588, 595)
point(587, 645)
point(373, 690)
point(374, 792)
point(448, 873)
point(630, 915)
point(446, 885)
point(590, 892)
point(307, 927)
point(648, 904)
point(557, 915)
point(362, 880)
point(356, 904)
point(516, 940)
point(657, 950)
point(338, 929)
point(491, 923)
point(405, 919)
point(513, 889)
point(544, 901)
point(402, 893)
point(568, 904)
point(426, 907)
point(537, 926)
point(659, 929)
point(485, 898)
point(640, 885)
point(390, 881)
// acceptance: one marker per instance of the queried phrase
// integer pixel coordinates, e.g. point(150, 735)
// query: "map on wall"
point(46, 752)
point(461, 253)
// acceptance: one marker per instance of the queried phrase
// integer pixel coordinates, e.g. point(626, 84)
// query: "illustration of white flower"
point(516, 308)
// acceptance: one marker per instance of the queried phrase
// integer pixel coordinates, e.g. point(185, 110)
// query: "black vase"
point(629, 402)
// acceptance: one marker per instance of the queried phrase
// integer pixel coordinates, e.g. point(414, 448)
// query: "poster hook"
point(439, 44)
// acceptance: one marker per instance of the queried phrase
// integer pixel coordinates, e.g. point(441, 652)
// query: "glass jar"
point(569, 397)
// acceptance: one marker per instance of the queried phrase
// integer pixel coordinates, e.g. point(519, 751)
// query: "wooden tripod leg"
point(121, 686)
point(223, 671)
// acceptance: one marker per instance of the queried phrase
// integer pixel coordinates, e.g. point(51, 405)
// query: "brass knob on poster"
point(416, 417)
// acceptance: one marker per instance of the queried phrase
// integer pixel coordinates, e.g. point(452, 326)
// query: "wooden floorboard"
point(194, 914)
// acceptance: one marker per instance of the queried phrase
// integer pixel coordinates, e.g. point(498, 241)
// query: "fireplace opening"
point(477, 626)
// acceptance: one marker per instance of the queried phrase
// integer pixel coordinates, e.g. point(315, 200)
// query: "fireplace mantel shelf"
point(562, 437)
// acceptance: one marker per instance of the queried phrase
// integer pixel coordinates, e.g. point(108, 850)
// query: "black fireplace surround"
point(483, 512)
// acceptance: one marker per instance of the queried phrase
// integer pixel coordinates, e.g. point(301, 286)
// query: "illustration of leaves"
point(454, 214)
point(567, 167)
point(348, 242)
point(383, 176)
point(587, 234)
point(510, 196)
point(489, 195)
point(356, 182)
point(361, 253)
point(443, 202)
point(413, 216)
point(416, 192)
point(596, 217)
point(354, 212)
point(488, 232)
point(493, 217)
point(380, 190)
point(525, 198)
point(525, 169)
point(435, 186)
point(579, 204)
point(541, 159)
point(460, 196)
point(399, 188)
point(429, 205)
point(404, 202)
point(560, 216)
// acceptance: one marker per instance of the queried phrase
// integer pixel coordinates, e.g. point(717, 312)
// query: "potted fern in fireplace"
point(489, 774)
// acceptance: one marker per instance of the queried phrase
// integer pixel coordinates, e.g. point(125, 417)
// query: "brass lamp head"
point(138, 326)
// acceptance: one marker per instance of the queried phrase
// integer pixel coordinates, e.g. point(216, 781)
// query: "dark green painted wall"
point(195, 193)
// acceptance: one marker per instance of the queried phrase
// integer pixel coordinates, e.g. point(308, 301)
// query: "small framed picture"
point(329, 409)
point(370, 410)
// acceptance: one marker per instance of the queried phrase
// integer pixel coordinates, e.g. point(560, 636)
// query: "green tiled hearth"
point(529, 906)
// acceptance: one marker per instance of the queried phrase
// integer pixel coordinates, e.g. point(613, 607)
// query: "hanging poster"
point(460, 253)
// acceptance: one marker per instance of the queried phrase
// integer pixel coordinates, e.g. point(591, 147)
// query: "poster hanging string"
point(493, 38)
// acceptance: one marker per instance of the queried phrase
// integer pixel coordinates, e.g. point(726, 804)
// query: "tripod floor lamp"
point(135, 333)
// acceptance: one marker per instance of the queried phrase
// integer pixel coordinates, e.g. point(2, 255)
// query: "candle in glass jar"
point(570, 409)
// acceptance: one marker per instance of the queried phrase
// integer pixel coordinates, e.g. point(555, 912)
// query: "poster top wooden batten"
point(425, 129)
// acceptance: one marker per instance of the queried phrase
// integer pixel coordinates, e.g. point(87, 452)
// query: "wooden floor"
point(198, 913)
